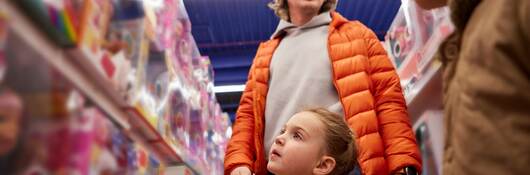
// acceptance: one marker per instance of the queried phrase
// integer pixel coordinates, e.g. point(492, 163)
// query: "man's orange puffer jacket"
point(369, 91)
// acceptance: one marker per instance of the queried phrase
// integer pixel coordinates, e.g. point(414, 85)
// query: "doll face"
point(10, 117)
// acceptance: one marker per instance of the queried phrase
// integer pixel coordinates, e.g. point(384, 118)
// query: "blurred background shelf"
point(412, 43)
point(426, 93)
point(57, 57)
point(74, 65)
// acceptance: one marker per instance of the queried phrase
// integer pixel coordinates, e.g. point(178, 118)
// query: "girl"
point(314, 141)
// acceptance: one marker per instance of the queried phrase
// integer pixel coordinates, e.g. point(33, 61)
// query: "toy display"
point(179, 112)
point(183, 54)
point(127, 26)
point(195, 116)
point(166, 29)
point(96, 15)
point(55, 18)
point(127, 36)
point(413, 39)
point(399, 39)
point(412, 42)
point(83, 143)
point(149, 57)
point(412, 29)
point(197, 121)
point(70, 22)
point(76, 144)
point(176, 90)
point(217, 139)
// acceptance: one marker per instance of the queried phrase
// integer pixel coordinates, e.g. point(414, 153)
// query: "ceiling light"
point(229, 88)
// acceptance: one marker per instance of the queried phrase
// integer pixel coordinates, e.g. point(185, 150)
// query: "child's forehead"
point(305, 121)
point(305, 115)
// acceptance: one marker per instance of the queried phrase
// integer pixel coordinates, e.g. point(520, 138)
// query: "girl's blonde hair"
point(340, 140)
point(282, 10)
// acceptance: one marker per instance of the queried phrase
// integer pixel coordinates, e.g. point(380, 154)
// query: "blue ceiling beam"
point(233, 61)
point(229, 31)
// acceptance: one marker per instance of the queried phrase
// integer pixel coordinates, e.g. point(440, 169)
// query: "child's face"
point(299, 147)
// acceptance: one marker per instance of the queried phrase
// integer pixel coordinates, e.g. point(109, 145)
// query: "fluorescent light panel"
point(229, 88)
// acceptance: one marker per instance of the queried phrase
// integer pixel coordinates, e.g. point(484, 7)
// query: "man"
point(486, 87)
point(317, 58)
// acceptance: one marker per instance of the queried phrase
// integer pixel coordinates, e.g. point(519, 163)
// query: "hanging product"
point(179, 112)
point(166, 22)
point(128, 26)
point(413, 39)
point(54, 18)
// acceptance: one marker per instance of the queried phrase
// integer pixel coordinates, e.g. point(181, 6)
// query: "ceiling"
point(229, 31)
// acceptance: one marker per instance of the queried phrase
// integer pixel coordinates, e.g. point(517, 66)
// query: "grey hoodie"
point(300, 74)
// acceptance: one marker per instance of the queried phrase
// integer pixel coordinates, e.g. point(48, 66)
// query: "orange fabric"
point(369, 91)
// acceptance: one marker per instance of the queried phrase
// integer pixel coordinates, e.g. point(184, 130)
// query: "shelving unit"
point(75, 66)
point(426, 93)
point(413, 41)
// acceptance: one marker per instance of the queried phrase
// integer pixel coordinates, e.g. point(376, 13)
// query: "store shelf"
point(56, 57)
point(430, 48)
point(76, 67)
point(426, 93)
point(81, 60)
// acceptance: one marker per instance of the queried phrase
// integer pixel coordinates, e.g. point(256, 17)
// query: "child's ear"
point(325, 166)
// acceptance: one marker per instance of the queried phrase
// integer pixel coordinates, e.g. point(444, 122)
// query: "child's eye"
point(282, 131)
point(297, 136)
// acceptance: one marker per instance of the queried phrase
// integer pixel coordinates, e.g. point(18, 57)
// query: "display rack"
point(426, 93)
point(412, 42)
point(75, 67)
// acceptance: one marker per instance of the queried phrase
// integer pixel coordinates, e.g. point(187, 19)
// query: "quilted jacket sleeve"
point(400, 145)
point(240, 149)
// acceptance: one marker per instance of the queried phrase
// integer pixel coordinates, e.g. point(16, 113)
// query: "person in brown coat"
point(486, 87)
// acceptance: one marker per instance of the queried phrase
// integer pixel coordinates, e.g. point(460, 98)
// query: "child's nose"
point(279, 140)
